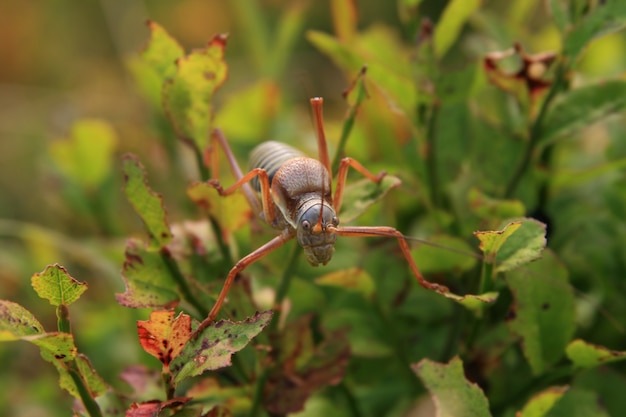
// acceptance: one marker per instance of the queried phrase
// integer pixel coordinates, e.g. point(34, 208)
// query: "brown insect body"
point(301, 190)
point(293, 195)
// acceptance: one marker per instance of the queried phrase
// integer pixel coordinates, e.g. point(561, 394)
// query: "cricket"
point(293, 194)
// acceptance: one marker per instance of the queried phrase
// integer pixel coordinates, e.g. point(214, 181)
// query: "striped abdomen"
point(270, 156)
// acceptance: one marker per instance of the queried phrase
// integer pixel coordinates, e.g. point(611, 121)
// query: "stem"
point(283, 286)
point(535, 133)
point(172, 267)
point(63, 319)
point(92, 407)
point(431, 157)
point(353, 405)
point(258, 392)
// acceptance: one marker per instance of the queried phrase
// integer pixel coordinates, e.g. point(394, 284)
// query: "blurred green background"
point(63, 60)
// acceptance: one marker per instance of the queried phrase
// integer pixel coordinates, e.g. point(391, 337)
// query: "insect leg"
point(322, 147)
point(268, 207)
point(219, 139)
point(242, 264)
point(371, 231)
point(343, 173)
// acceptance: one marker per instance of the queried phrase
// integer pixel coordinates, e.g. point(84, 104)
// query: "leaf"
point(54, 346)
point(155, 64)
point(522, 247)
point(147, 278)
point(587, 355)
point(155, 407)
point(543, 313)
point(388, 66)
point(147, 204)
point(360, 195)
point(606, 17)
point(486, 207)
point(451, 22)
point(519, 242)
point(456, 257)
point(540, 404)
point(214, 346)
point(188, 94)
point(299, 359)
point(57, 286)
point(164, 336)
point(231, 212)
point(474, 303)
point(146, 383)
point(583, 106)
point(162, 51)
point(87, 155)
point(82, 366)
point(354, 279)
point(257, 104)
point(17, 322)
point(453, 395)
point(578, 403)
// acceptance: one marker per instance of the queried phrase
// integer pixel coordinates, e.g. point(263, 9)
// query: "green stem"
point(353, 405)
point(535, 133)
point(189, 296)
point(63, 319)
point(259, 392)
point(431, 157)
point(283, 286)
point(346, 129)
point(92, 407)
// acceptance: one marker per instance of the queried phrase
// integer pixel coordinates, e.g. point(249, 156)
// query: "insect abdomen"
point(271, 156)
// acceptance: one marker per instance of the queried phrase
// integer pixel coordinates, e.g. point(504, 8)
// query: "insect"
point(293, 194)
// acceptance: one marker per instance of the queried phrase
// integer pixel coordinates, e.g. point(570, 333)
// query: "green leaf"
point(492, 241)
point(147, 204)
point(187, 96)
point(486, 207)
point(560, 13)
point(162, 51)
point(587, 355)
point(360, 195)
point(354, 279)
point(231, 212)
point(540, 404)
point(543, 311)
point(257, 104)
point(519, 242)
point(387, 64)
point(454, 396)
point(82, 366)
point(444, 253)
point(147, 278)
point(155, 64)
point(87, 155)
point(54, 346)
point(57, 286)
point(583, 106)
point(578, 403)
point(451, 22)
point(214, 346)
point(605, 18)
point(524, 246)
point(475, 303)
point(17, 322)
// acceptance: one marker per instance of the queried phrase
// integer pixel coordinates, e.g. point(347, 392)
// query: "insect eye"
point(306, 225)
point(335, 221)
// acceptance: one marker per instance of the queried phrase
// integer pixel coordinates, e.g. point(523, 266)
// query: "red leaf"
point(162, 336)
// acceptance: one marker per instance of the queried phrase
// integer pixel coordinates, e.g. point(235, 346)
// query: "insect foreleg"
point(371, 231)
point(218, 139)
point(242, 264)
point(343, 173)
point(268, 206)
